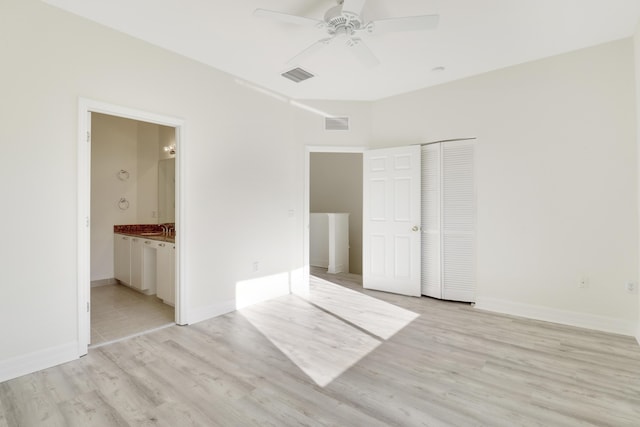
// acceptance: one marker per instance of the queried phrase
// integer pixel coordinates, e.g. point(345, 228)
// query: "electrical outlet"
point(256, 266)
point(630, 287)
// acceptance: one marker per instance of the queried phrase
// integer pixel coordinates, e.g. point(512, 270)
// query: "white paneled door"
point(391, 220)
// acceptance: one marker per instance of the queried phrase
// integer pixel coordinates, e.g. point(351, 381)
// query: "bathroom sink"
point(152, 233)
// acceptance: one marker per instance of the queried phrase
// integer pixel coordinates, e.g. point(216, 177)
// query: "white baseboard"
point(103, 282)
point(203, 313)
point(317, 262)
point(38, 360)
point(571, 318)
point(337, 269)
point(248, 292)
point(300, 281)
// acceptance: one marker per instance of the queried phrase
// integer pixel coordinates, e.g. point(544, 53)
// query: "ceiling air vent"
point(336, 123)
point(297, 75)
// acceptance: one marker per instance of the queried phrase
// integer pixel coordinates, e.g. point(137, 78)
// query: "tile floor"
point(118, 312)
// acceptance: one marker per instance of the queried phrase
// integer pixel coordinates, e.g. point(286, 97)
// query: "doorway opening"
point(132, 189)
point(127, 192)
point(333, 238)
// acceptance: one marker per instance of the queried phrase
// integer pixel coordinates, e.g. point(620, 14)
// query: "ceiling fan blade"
point(362, 52)
point(407, 23)
point(290, 19)
point(310, 51)
point(353, 6)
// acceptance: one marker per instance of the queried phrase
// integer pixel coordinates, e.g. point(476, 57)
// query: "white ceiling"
point(473, 36)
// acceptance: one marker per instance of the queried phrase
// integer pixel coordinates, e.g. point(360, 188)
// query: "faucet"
point(165, 229)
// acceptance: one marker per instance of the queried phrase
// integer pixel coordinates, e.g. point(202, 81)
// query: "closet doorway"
point(334, 185)
point(427, 191)
point(335, 201)
point(419, 220)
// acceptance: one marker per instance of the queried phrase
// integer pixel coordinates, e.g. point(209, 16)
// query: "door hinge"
point(86, 221)
point(87, 306)
point(88, 136)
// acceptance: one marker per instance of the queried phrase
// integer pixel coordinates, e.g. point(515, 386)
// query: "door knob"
point(415, 228)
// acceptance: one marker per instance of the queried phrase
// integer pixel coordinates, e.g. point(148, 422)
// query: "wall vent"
point(297, 75)
point(336, 123)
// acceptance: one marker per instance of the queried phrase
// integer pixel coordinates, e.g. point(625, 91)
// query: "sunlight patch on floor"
point(330, 331)
point(376, 316)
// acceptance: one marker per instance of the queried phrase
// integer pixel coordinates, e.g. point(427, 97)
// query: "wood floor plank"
point(175, 385)
point(90, 409)
point(342, 356)
point(26, 402)
point(66, 381)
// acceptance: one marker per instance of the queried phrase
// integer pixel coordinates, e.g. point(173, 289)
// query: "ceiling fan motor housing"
point(341, 22)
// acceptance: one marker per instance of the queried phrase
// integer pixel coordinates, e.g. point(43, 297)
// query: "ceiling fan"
point(343, 23)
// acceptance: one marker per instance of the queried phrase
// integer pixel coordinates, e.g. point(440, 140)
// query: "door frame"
point(307, 197)
point(85, 108)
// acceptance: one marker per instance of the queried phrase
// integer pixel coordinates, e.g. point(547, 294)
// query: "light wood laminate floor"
point(342, 357)
point(118, 312)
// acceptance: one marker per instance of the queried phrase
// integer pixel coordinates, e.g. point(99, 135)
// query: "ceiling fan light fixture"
point(297, 75)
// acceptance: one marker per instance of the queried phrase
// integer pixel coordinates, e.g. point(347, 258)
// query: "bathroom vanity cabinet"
point(122, 258)
point(146, 265)
point(166, 272)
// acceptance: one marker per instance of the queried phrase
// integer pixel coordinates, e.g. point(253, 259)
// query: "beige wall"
point(556, 179)
point(636, 45)
point(308, 130)
point(309, 123)
point(241, 178)
point(336, 186)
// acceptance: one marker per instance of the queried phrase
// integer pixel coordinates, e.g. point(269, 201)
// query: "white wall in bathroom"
point(167, 137)
point(147, 177)
point(118, 144)
point(113, 148)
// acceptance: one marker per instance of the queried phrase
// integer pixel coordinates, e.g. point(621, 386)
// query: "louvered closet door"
point(431, 206)
point(458, 221)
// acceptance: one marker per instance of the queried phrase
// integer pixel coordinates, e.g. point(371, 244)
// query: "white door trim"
point(307, 190)
point(85, 108)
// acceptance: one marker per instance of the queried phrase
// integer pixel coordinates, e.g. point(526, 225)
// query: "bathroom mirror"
point(166, 191)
